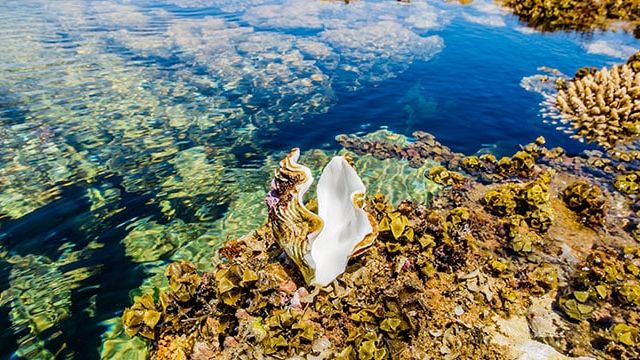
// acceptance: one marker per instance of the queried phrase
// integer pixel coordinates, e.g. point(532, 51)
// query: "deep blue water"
point(108, 96)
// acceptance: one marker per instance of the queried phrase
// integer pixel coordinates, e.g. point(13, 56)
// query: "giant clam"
point(320, 244)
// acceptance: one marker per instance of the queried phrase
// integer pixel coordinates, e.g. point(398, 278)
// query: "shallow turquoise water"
point(119, 118)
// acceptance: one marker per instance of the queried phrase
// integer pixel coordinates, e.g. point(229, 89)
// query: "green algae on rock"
point(587, 200)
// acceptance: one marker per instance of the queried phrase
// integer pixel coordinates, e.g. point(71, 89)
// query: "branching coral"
point(603, 107)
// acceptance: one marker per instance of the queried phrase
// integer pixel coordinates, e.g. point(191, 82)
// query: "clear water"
point(119, 118)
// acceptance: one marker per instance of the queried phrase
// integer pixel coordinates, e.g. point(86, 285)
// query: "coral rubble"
point(39, 296)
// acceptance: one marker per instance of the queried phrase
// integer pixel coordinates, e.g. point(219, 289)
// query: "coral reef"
point(579, 15)
point(444, 280)
point(603, 106)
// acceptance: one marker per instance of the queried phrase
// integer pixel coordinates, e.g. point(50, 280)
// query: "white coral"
point(603, 107)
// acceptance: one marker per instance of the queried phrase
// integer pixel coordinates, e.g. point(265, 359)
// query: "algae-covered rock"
point(628, 183)
point(604, 288)
point(442, 176)
point(439, 276)
point(634, 62)
point(586, 200)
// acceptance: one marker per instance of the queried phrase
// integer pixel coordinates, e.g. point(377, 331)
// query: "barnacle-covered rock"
point(586, 200)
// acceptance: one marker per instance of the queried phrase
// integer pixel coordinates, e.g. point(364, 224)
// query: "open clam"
point(320, 244)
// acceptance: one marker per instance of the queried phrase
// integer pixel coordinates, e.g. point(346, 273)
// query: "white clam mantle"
point(340, 206)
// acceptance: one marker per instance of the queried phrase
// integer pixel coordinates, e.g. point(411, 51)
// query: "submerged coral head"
point(320, 244)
